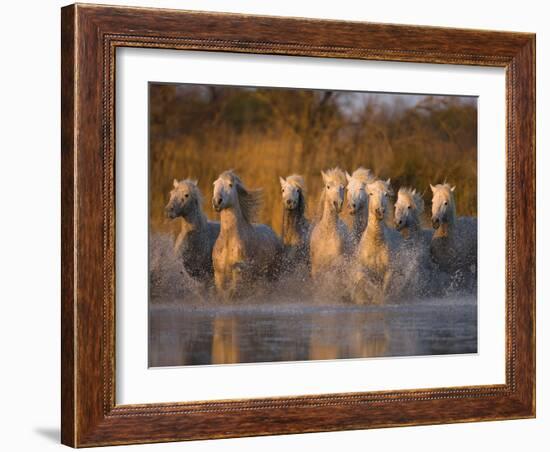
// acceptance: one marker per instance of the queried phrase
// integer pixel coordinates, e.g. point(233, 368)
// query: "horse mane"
point(381, 184)
point(297, 181)
point(415, 196)
point(250, 201)
point(447, 187)
point(301, 208)
point(337, 175)
point(363, 175)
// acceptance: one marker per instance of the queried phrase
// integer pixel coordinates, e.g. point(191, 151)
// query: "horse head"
point(184, 198)
point(443, 205)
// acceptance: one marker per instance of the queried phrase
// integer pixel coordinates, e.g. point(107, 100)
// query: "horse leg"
point(359, 293)
point(386, 286)
point(236, 279)
point(220, 284)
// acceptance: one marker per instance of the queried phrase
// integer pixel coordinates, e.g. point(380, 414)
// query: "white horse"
point(296, 228)
point(358, 202)
point(196, 239)
point(244, 252)
point(454, 242)
point(416, 273)
point(409, 208)
point(375, 254)
point(330, 241)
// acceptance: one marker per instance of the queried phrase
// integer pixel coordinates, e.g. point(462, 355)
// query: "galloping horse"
point(296, 228)
point(244, 252)
point(454, 242)
point(330, 241)
point(416, 268)
point(376, 251)
point(408, 210)
point(358, 201)
point(195, 241)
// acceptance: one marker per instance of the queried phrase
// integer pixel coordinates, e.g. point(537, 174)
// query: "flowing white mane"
point(296, 180)
point(250, 201)
point(411, 197)
point(363, 175)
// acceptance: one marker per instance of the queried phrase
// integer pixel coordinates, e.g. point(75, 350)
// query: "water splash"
point(168, 280)
point(413, 277)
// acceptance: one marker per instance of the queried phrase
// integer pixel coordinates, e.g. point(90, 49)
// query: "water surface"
point(200, 334)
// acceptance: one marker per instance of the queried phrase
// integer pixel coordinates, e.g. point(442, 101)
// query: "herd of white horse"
point(366, 262)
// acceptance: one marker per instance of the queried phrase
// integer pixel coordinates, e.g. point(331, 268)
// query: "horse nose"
point(288, 202)
point(435, 222)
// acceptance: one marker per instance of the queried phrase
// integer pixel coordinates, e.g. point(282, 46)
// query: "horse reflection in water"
point(199, 335)
point(329, 341)
point(225, 341)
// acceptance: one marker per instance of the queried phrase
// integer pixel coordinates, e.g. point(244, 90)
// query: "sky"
point(351, 100)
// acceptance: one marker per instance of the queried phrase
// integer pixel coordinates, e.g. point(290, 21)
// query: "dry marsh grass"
point(199, 131)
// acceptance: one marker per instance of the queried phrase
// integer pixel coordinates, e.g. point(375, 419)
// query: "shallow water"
point(210, 333)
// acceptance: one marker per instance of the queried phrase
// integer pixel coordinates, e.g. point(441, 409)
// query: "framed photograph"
point(281, 225)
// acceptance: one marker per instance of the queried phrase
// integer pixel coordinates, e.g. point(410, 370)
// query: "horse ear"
point(348, 177)
point(453, 188)
point(282, 181)
point(194, 181)
point(176, 183)
point(432, 187)
point(324, 176)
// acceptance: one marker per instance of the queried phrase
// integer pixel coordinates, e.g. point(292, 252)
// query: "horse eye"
point(328, 186)
point(230, 185)
point(187, 195)
point(445, 202)
point(408, 207)
point(298, 190)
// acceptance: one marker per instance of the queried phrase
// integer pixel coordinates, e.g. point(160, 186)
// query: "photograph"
point(291, 224)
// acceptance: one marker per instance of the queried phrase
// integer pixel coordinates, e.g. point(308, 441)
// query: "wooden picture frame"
point(90, 35)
